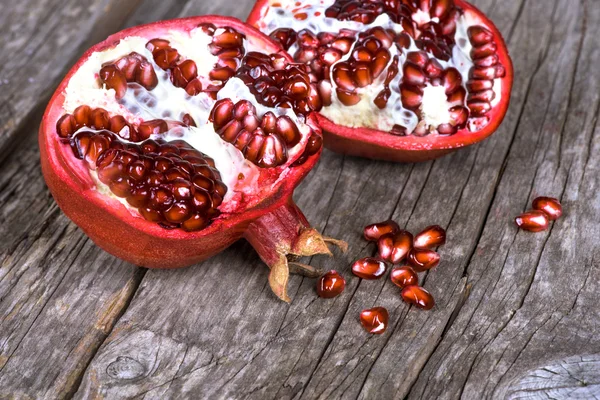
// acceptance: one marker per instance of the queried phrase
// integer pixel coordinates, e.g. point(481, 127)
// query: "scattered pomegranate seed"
point(418, 296)
point(533, 221)
point(404, 276)
point(375, 320)
point(395, 247)
point(550, 206)
point(423, 259)
point(431, 237)
point(374, 231)
point(369, 268)
point(330, 285)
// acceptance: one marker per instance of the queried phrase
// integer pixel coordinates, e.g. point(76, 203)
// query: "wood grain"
point(516, 312)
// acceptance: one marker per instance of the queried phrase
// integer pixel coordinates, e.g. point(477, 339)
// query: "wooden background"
point(517, 314)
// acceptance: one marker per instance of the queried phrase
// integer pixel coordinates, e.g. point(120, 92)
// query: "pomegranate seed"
point(369, 268)
point(452, 79)
point(411, 96)
point(382, 98)
point(380, 61)
point(413, 74)
point(533, 221)
point(550, 206)
point(478, 35)
point(404, 276)
point(479, 85)
point(65, 126)
point(229, 39)
point(330, 285)
point(374, 320)
point(286, 128)
point(395, 247)
point(485, 96)
point(431, 237)
point(479, 108)
point(347, 98)
point(373, 232)
point(362, 75)
point(423, 259)
point(418, 296)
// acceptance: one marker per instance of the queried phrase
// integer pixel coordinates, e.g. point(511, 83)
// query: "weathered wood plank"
point(533, 300)
point(314, 350)
point(39, 40)
point(508, 307)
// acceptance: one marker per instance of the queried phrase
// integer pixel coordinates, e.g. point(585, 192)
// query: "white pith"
point(366, 113)
point(169, 102)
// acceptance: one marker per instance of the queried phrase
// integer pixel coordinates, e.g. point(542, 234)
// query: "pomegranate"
point(330, 285)
point(168, 142)
point(400, 80)
point(374, 320)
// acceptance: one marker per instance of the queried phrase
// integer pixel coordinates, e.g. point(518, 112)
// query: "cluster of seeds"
point(326, 52)
point(100, 119)
point(132, 68)
point(170, 183)
point(420, 71)
point(395, 247)
point(183, 73)
point(545, 209)
point(278, 84)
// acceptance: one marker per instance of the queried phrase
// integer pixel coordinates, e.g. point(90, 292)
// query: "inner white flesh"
point(169, 102)
point(366, 113)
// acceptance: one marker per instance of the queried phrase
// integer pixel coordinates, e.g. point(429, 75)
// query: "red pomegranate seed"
point(382, 98)
point(479, 85)
point(374, 320)
point(373, 232)
point(369, 268)
point(380, 60)
point(362, 75)
point(452, 79)
point(423, 259)
point(348, 98)
point(479, 108)
point(330, 285)
point(286, 128)
point(404, 276)
point(411, 96)
point(431, 237)
point(65, 126)
point(413, 74)
point(478, 35)
point(418, 296)
point(533, 221)
point(550, 206)
point(342, 76)
point(395, 247)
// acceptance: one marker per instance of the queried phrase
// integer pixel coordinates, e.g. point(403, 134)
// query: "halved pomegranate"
point(168, 142)
point(400, 80)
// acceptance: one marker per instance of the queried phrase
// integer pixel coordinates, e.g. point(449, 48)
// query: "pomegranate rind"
point(379, 145)
point(108, 222)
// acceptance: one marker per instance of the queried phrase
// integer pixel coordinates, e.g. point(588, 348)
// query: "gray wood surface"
point(517, 314)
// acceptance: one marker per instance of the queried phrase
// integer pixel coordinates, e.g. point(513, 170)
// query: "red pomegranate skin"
point(138, 241)
point(375, 144)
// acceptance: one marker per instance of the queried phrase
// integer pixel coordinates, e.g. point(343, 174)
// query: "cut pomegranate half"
point(400, 80)
point(162, 144)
